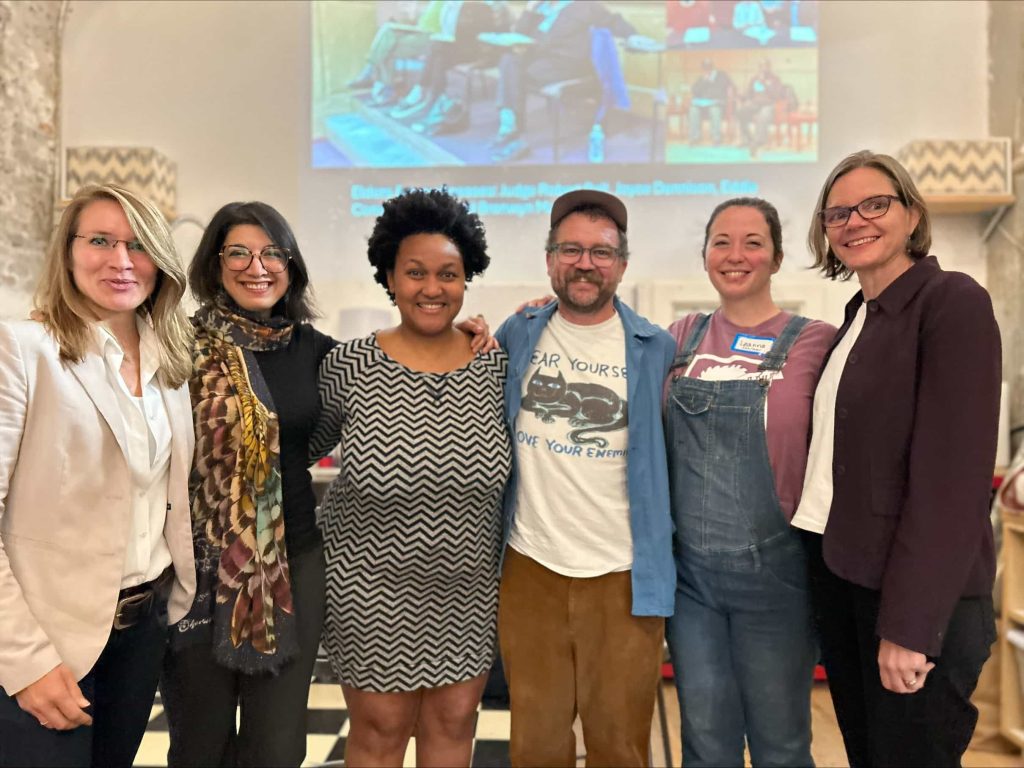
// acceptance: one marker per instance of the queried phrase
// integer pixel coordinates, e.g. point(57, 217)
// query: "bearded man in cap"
point(588, 574)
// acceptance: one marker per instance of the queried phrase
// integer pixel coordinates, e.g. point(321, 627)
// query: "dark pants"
point(929, 728)
point(520, 73)
point(120, 687)
point(200, 696)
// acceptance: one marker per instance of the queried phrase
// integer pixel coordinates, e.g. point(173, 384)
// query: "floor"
point(328, 727)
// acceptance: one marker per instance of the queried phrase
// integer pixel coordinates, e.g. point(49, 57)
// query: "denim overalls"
point(741, 637)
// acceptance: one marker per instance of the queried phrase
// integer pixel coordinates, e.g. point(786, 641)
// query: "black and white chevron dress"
point(412, 524)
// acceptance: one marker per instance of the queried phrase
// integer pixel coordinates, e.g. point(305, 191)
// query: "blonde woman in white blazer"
point(96, 444)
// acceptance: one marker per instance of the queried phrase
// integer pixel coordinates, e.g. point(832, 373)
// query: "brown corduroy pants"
point(572, 645)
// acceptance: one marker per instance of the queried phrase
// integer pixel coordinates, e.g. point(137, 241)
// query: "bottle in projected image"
point(595, 147)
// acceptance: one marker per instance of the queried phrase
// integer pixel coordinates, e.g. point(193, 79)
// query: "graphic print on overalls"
point(589, 407)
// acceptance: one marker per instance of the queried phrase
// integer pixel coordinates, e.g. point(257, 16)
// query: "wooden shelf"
point(967, 203)
point(1011, 695)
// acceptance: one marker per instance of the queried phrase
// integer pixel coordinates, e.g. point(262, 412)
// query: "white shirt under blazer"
point(65, 506)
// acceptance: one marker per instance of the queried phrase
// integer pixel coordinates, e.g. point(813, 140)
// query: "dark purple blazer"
point(916, 420)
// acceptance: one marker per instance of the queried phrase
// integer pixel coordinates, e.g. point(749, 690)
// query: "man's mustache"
point(589, 277)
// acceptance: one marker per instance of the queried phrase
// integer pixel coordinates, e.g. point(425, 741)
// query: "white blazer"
point(64, 506)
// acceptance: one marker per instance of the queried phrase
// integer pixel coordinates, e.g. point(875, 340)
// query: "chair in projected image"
point(607, 88)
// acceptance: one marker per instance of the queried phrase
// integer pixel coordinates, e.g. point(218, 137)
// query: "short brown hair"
point(920, 239)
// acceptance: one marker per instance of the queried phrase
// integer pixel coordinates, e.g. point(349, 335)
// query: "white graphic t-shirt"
point(572, 511)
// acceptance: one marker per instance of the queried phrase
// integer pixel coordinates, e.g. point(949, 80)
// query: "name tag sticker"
point(752, 345)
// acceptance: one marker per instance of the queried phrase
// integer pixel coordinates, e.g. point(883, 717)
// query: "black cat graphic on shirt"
point(589, 407)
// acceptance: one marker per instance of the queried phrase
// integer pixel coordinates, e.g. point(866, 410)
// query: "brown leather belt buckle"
point(132, 608)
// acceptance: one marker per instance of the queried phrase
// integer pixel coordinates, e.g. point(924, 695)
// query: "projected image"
point(439, 83)
point(742, 106)
point(711, 24)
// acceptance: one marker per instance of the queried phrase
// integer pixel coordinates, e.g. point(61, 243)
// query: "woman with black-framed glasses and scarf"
point(895, 499)
point(251, 636)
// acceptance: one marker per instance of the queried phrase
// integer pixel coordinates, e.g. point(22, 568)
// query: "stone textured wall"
point(1006, 245)
point(28, 141)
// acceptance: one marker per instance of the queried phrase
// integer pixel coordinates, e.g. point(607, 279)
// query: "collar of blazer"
point(91, 373)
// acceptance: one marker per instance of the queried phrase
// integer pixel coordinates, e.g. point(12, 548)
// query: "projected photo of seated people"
point(723, 24)
point(741, 106)
point(455, 83)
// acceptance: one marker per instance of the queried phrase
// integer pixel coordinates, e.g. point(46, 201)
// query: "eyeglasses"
point(102, 242)
point(869, 208)
point(571, 253)
point(237, 258)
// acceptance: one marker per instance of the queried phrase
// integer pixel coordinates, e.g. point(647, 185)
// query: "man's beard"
point(593, 304)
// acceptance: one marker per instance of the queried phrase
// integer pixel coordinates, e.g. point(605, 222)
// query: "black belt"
point(136, 603)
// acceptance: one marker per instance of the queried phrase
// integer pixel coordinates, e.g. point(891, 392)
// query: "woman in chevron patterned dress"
point(412, 525)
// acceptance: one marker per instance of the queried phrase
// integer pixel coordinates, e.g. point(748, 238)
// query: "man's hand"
point(901, 669)
point(55, 700)
point(482, 341)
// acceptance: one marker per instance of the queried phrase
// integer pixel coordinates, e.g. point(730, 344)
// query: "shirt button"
point(872, 306)
point(840, 469)
point(840, 413)
point(852, 358)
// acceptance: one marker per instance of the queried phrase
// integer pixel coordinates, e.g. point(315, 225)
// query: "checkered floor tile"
point(327, 728)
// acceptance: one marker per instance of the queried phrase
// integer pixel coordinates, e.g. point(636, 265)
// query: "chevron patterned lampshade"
point(143, 170)
point(959, 167)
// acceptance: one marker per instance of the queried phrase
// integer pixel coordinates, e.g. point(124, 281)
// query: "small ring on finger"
point(44, 723)
point(911, 682)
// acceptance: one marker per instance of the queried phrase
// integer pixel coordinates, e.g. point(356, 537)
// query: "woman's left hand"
point(482, 341)
point(901, 669)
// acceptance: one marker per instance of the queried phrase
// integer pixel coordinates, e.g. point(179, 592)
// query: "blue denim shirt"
point(649, 353)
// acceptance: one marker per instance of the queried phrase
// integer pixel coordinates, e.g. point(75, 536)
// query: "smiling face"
point(254, 288)
point(114, 281)
point(739, 256)
point(585, 290)
point(876, 249)
point(429, 283)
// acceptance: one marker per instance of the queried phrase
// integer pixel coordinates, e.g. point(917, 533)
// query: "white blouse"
point(148, 442)
point(816, 499)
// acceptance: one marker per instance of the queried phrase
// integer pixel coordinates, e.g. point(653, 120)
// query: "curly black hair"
point(427, 211)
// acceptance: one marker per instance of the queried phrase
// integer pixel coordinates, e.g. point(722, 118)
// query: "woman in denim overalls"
point(741, 637)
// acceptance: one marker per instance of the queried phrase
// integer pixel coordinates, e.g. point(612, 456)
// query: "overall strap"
point(776, 357)
point(692, 342)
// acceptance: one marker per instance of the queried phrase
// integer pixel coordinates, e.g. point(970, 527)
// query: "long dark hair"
point(205, 270)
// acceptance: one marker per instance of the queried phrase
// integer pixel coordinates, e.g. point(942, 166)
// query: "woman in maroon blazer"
point(895, 500)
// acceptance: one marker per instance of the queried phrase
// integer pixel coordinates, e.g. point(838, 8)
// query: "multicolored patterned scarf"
point(243, 602)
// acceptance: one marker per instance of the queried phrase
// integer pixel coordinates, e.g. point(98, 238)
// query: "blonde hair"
point(920, 240)
point(67, 314)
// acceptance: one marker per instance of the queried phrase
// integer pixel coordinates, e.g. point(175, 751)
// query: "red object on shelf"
point(667, 674)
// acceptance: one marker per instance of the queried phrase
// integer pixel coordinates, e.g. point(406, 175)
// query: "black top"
point(916, 420)
point(291, 376)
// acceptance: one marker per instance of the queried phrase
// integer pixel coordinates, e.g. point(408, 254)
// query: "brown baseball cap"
point(607, 202)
